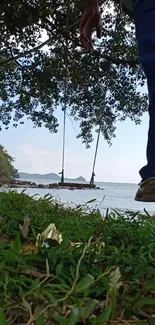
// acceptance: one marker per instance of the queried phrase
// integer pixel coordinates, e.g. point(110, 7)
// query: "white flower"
point(115, 276)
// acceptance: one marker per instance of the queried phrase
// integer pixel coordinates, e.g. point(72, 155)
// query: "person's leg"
point(144, 13)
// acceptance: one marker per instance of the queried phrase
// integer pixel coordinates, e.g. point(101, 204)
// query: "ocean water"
point(118, 196)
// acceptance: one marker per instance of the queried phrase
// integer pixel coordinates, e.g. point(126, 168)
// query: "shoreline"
point(13, 184)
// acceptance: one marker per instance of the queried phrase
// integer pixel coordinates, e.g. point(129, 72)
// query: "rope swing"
point(64, 109)
point(92, 180)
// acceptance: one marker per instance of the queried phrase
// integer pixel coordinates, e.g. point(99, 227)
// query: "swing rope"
point(64, 109)
point(118, 18)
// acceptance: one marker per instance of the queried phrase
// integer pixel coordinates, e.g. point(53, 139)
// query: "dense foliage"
point(7, 170)
point(101, 88)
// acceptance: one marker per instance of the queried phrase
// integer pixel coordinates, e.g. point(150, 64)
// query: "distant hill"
point(50, 176)
point(39, 176)
point(80, 179)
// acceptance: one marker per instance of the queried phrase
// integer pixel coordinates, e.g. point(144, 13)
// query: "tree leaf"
point(84, 283)
point(105, 316)
point(146, 301)
point(40, 320)
point(74, 316)
point(90, 306)
point(59, 319)
point(2, 317)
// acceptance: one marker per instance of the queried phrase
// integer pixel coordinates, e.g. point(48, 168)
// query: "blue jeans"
point(144, 15)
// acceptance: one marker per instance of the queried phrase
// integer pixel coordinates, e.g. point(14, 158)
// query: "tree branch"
point(116, 61)
point(35, 49)
point(23, 54)
point(113, 60)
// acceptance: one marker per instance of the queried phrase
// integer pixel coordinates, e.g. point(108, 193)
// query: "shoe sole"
point(138, 199)
point(146, 198)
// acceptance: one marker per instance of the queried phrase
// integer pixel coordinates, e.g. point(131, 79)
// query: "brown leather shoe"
point(146, 191)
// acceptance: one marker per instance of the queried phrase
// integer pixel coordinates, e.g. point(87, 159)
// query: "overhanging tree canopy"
point(32, 77)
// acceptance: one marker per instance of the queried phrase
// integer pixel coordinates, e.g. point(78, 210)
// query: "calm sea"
point(113, 195)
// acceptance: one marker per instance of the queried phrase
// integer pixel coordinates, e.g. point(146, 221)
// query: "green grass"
point(92, 284)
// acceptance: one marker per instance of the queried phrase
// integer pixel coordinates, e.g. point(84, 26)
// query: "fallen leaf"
point(30, 249)
point(25, 227)
point(4, 239)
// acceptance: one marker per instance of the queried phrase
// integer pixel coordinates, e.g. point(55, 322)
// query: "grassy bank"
point(66, 284)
